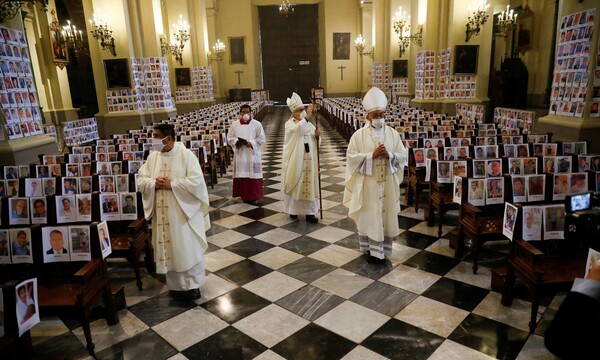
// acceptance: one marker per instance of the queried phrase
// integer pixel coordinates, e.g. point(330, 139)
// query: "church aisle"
point(279, 288)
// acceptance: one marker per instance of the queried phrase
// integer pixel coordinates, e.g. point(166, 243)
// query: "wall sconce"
point(10, 8)
point(402, 28)
point(218, 52)
point(478, 18)
point(506, 21)
point(359, 44)
point(101, 31)
point(173, 49)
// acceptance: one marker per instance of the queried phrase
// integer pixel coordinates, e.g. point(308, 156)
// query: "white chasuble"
point(247, 161)
point(180, 215)
point(300, 168)
point(372, 192)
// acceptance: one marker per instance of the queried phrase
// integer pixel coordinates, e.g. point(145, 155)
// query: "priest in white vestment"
point(374, 170)
point(300, 165)
point(247, 137)
point(176, 199)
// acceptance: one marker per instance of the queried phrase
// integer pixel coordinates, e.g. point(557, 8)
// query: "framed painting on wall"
point(400, 69)
point(466, 59)
point(341, 46)
point(237, 51)
point(117, 73)
point(182, 77)
point(60, 52)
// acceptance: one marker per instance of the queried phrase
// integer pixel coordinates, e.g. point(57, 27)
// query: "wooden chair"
point(416, 182)
point(440, 199)
point(74, 288)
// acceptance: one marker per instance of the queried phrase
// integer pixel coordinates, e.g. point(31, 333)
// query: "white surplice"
point(247, 161)
point(179, 216)
point(372, 192)
point(300, 168)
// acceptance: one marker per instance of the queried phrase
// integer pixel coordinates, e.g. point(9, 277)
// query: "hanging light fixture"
point(286, 8)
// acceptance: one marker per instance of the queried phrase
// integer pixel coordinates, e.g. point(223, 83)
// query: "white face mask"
point(157, 144)
point(246, 117)
point(303, 114)
point(377, 123)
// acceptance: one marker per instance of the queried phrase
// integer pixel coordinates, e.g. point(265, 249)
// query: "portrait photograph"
point(26, 302)
point(4, 247)
point(80, 243)
point(494, 193)
point(518, 189)
point(122, 181)
point(33, 187)
point(466, 59)
point(117, 73)
point(237, 50)
point(106, 183)
point(444, 174)
point(509, 220)
point(21, 245)
point(65, 209)
point(536, 187)
point(532, 223)
point(341, 46)
point(457, 190)
point(11, 172)
point(476, 192)
point(183, 77)
point(554, 221)
point(128, 206)
point(18, 210)
point(134, 166)
point(69, 185)
point(84, 207)
point(109, 207)
point(104, 238)
point(39, 210)
point(85, 185)
point(49, 186)
point(479, 168)
point(55, 240)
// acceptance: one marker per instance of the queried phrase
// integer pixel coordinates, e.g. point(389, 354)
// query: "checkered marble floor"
point(279, 288)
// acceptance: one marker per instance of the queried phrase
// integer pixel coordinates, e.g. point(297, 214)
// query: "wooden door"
point(289, 51)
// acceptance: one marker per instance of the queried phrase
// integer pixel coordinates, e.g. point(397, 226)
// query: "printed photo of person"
point(419, 157)
point(518, 187)
point(476, 192)
point(494, 191)
point(33, 187)
point(532, 223)
point(579, 183)
point(134, 166)
point(457, 190)
point(65, 209)
point(38, 210)
point(443, 172)
point(554, 221)
point(42, 171)
point(27, 310)
point(535, 187)
point(56, 244)
point(107, 184)
point(21, 245)
point(479, 152)
point(530, 166)
point(561, 186)
point(510, 217)
point(49, 186)
point(4, 247)
point(109, 208)
point(85, 185)
point(479, 168)
point(494, 168)
point(18, 209)
point(515, 166)
point(122, 183)
point(104, 238)
point(80, 243)
point(84, 207)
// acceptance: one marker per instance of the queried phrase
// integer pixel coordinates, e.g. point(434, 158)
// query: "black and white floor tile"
point(279, 288)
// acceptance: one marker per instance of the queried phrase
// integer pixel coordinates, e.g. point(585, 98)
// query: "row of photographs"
point(70, 185)
point(546, 219)
point(71, 208)
point(567, 108)
point(23, 129)
point(60, 244)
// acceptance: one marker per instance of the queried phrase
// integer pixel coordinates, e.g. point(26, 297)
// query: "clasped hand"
point(163, 182)
point(380, 151)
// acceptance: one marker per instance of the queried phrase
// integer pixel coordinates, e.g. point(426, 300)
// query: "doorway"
point(289, 51)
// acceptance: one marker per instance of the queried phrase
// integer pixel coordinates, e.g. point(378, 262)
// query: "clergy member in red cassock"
point(374, 170)
point(247, 137)
point(175, 197)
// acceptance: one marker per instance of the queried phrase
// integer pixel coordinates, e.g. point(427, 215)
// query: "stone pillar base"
point(447, 106)
point(26, 151)
point(184, 107)
point(119, 123)
point(567, 128)
point(59, 116)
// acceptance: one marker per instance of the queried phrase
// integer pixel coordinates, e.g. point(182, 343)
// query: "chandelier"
point(217, 53)
point(10, 8)
point(478, 18)
point(286, 8)
point(101, 31)
point(402, 28)
point(181, 35)
point(506, 21)
point(359, 44)
point(73, 38)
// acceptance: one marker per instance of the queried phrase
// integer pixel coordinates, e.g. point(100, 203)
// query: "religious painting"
point(182, 77)
point(466, 59)
point(60, 51)
point(341, 46)
point(237, 50)
point(524, 30)
point(400, 69)
point(117, 74)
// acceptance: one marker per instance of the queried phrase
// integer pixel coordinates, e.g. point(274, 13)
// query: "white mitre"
point(374, 99)
point(295, 102)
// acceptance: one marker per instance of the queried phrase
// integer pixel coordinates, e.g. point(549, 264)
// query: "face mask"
point(157, 144)
point(303, 114)
point(246, 117)
point(377, 123)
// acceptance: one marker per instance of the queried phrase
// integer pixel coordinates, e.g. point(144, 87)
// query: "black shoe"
point(311, 219)
point(293, 216)
point(253, 202)
point(192, 294)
